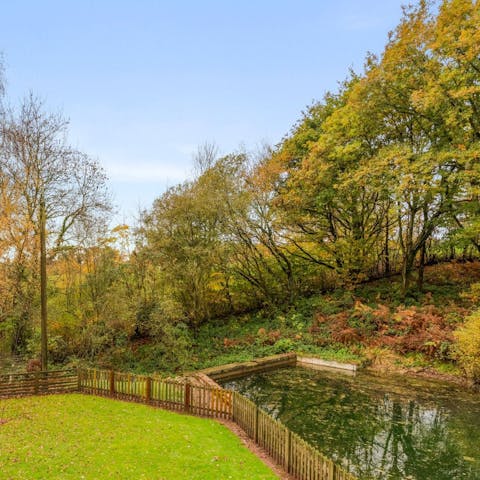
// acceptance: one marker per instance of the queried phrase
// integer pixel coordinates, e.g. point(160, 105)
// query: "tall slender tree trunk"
point(228, 294)
point(386, 249)
point(421, 268)
point(407, 267)
point(43, 285)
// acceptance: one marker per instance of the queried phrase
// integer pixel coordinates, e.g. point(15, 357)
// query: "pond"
point(378, 427)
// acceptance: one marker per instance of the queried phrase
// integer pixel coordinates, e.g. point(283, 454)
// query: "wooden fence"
point(289, 450)
point(38, 383)
point(199, 400)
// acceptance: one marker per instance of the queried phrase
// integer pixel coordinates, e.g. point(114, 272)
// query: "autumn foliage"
point(377, 180)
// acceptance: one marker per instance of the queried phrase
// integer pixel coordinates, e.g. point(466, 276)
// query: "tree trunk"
point(228, 294)
point(407, 267)
point(421, 268)
point(387, 252)
point(43, 285)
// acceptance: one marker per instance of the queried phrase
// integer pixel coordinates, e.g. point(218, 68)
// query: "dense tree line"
point(378, 178)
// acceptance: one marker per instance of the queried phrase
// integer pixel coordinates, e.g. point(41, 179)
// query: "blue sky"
point(145, 82)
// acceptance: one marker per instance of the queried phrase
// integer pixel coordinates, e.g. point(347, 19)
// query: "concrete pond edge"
point(230, 371)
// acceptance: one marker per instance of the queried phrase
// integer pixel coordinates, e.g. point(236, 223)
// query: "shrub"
point(265, 337)
point(364, 319)
point(284, 345)
point(468, 347)
point(472, 294)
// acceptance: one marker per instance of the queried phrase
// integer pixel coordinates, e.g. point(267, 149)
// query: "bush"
point(472, 294)
point(284, 345)
point(171, 337)
point(468, 347)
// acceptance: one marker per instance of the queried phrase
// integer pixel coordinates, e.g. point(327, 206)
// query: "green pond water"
point(378, 427)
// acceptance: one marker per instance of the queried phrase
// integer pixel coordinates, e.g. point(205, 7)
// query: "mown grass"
point(81, 437)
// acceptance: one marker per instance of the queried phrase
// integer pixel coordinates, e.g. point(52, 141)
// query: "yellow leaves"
point(457, 27)
point(473, 294)
point(217, 281)
point(120, 228)
point(465, 92)
point(468, 346)
point(405, 315)
point(361, 308)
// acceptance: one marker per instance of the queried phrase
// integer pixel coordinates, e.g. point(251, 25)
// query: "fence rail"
point(288, 449)
point(37, 383)
point(199, 400)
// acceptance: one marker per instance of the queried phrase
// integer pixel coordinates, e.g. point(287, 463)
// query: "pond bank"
point(385, 366)
point(235, 370)
point(240, 369)
point(389, 364)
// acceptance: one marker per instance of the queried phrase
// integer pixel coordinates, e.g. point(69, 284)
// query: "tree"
point(58, 186)
point(455, 89)
point(332, 218)
point(426, 155)
point(259, 253)
point(183, 236)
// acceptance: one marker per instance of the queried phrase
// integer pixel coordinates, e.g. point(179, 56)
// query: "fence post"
point(331, 472)
point(79, 382)
point(230, 410)
point(288, 443)
point(36, 384)
point(112, 383)
point(188, 390)
point(148, 390)
point(255, 436)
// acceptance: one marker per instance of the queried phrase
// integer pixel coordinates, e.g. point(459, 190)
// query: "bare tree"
point(58, 185)
point(204, 158)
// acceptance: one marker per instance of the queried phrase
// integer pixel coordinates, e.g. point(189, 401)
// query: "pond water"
point(378, 427)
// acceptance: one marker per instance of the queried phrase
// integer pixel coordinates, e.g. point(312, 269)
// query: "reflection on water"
point(376, 426)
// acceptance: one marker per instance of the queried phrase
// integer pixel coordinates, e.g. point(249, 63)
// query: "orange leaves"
point(382, 312)
point(405, 316)
point(268, 337)
point(404, 329)
point(453, 273)
point(228, 342)
point(346, 336)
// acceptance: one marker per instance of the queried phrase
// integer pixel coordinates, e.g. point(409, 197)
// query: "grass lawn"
point(84, 437)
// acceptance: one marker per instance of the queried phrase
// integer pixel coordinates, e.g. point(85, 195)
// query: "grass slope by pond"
point(81, 437)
